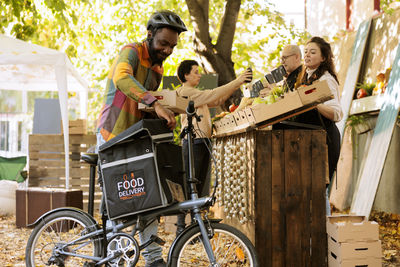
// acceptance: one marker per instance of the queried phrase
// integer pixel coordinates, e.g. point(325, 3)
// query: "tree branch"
point(199, 10)
point(228, 28)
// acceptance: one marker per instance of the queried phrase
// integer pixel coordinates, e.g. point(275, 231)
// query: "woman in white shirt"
point(318, 60)
point(319, 66)
point(189, 76)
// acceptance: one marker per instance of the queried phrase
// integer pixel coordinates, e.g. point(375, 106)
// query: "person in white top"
point(318, 60)
point(189, 76)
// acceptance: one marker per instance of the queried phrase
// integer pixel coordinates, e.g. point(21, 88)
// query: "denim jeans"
point(153, 252)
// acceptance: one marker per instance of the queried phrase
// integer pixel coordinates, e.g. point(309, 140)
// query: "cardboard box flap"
point(347, 228)
point(346, 219)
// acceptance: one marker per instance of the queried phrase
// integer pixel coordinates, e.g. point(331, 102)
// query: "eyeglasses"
point(283, 58)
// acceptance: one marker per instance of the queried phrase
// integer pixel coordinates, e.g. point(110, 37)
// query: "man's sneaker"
point(157, 263)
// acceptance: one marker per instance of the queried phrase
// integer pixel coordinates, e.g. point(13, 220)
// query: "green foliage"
point(384, 6)
point(368, 87)
point(92, 32)
point(354, 120)
point(260, 43)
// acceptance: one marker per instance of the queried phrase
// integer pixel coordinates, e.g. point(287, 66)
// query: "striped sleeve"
point(123, 76)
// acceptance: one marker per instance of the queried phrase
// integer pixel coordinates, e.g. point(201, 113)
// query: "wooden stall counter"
point(272, 187)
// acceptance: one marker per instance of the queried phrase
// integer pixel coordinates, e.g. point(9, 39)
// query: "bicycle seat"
point(90, 158)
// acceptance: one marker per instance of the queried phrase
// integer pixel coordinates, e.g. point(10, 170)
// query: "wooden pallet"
point(47, 163)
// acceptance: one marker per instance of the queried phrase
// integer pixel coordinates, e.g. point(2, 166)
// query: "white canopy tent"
point(26, 66)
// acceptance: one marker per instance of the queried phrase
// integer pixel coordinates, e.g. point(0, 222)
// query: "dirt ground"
point(13, 240)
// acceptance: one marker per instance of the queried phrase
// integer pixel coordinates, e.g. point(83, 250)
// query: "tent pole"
point(61, 76)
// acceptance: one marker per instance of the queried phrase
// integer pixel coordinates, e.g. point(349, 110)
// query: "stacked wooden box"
point(33, 202)
point(353, 241)
point(47, 163)
point(76, 127)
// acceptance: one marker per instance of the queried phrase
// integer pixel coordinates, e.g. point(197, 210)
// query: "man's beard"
point(155, 60)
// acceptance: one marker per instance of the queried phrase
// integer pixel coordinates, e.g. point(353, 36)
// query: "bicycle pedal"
point(158, 240)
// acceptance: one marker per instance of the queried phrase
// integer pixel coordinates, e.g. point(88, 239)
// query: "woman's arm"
point(331, 109)
point(216, 96)
point(326, 111)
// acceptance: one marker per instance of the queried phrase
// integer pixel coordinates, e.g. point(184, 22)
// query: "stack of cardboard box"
point(353, 241)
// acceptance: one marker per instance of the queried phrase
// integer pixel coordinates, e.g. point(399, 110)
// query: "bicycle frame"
point(195, 205)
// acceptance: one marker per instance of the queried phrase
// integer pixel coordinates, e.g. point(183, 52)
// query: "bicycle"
point(72, 237)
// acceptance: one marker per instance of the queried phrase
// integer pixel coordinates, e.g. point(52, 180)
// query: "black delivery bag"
point(141, 169)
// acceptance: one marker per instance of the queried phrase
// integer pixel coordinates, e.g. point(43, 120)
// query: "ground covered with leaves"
point(13, 240)
point(389, 233)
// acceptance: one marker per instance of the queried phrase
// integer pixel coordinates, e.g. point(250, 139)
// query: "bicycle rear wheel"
point(231, 248)
point(53, 233)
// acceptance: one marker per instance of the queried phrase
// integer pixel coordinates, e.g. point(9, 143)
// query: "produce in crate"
point(364, 89)
point(380, 84)
point(232, 108)
point(219, 116)
point(245, 102)
point(361, 93)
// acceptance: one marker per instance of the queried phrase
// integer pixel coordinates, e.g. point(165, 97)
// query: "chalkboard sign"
point(353, 72)
point(376, 155)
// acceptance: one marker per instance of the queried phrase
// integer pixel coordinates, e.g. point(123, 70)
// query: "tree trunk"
point(216, 58)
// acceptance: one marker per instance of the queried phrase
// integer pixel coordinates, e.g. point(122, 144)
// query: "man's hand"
point(164, 113)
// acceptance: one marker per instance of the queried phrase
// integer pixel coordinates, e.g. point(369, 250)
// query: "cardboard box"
point(169, 99)
point(240, 117)
point(292, 102)
point(314, 93)
point(354, 250)
point(33, 202)
point(350, 228)
point(262, 112)
point(76, 127)
point(224, 125)
point(366, 262)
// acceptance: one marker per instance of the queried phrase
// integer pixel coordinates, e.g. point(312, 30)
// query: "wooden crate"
point(285, 187)
point(47, 163)
point(33, 202)
point(76, 127)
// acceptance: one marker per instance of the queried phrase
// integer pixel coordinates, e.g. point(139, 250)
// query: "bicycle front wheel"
point(231, 248)
point(54, 234)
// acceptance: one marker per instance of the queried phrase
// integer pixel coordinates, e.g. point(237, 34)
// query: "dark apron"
point(332, 135)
